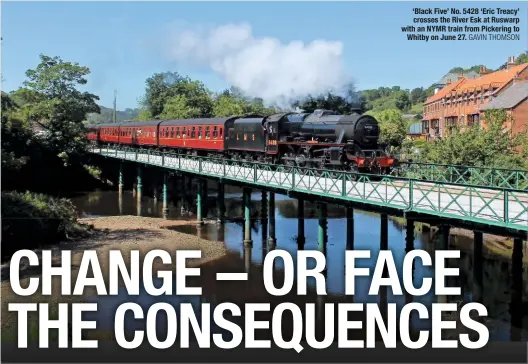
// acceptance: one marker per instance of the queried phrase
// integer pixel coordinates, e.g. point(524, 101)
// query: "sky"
point(264, 46)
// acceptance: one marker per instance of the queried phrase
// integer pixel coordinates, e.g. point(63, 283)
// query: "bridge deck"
point(501, 207)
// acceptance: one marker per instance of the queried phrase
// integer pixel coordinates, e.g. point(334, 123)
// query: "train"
point(323, 139)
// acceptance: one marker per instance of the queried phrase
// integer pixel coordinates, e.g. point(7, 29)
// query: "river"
point(497, 295)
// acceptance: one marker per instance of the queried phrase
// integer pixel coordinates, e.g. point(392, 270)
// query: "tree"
point(162, 87)
point(51, 100)
point(418, 95)
point(403, 101)
point(522, 58)
point(178, 107)
point(393, 128)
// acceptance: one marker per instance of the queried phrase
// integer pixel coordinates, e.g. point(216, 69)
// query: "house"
point(460, 101)
point(515, 101)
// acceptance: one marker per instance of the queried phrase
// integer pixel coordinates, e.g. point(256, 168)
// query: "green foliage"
point(51, 101)
point(393, 128)
point(30, 220)
point(522, 58)
point(475, 68)
point(163, 88)
point(232, 103)
point(179, 107)
point(385, 98)
point(143, 115)
point(477, 146)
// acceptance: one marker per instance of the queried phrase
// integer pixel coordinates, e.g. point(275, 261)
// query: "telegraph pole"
point(115, 110)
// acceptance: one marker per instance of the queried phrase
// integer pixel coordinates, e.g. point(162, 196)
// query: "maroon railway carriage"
point(109, 132)
point(142, 133)
point(205, 134)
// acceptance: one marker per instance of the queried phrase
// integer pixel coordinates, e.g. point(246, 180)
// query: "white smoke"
point(262, 67)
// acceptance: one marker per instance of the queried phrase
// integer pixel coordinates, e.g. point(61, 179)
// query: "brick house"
point(515, 101)
point(459, 102)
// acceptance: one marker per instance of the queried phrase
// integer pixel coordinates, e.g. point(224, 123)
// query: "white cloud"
point(261, 67)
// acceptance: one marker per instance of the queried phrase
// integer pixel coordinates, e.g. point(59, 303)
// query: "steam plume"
point(263, 67)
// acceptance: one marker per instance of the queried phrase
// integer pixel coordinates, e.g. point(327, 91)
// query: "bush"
point(30, 220)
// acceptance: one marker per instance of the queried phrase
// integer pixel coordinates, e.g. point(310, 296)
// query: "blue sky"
point(119, 41)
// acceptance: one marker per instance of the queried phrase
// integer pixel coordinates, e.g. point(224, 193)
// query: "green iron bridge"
point(504, 207)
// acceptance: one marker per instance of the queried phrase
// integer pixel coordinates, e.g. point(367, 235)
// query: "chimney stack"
point(460, 76)
point(448, 81)
point(483, 70)
point(511, 62)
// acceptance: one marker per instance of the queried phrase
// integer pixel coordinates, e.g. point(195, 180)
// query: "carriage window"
point(237, 136)
point(253, 137)
point(193, 132)
point(172, 132)
point(184, 132)
point(220, 135)
point(207, 132)
point(215, 132)
point(177, 132)
point(199, 132)
point(245, 136)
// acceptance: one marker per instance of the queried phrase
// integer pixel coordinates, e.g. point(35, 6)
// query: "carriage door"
point(272, 137)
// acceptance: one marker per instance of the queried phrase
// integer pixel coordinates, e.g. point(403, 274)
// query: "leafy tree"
point(144, 115)
point(178, 107)
point(227, 105)
point(418, 95)
point(162, 87)
point(522, 58)
point(51, 100)
point(403, 101)
point(393, 127)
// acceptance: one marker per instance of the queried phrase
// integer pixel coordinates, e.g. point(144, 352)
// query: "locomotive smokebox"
point(362, 129)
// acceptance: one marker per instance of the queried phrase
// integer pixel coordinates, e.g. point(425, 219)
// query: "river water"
point(497, 295)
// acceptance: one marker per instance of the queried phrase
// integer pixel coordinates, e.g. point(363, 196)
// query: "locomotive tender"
point(322, 139)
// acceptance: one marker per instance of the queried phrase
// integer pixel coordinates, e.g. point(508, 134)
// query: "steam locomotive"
point(323, 139)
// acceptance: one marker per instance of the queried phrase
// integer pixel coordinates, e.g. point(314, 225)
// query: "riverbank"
point(123, 233)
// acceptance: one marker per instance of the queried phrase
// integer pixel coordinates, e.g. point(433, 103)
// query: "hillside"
point(107, 115)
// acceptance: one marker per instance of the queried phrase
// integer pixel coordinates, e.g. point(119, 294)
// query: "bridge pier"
point(120, 182)
point(165, 197)
point(139, 190)
point(220, 203)
point(322, 228)
point(516, 306)
point(247, 217)
point(272, 242)
point(199, 196)
point(301, 239)
point(264, 221)
point(384, 232)
point(444, 237)
point(350, 228)
point(478, 242)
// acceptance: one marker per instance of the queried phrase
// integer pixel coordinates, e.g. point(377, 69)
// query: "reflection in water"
point(498, 283)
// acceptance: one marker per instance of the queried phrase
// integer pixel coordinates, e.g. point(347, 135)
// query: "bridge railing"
point(464, 175)
point(491, 205)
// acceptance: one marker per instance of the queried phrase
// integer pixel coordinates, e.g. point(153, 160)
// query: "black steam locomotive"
point(322, 139)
